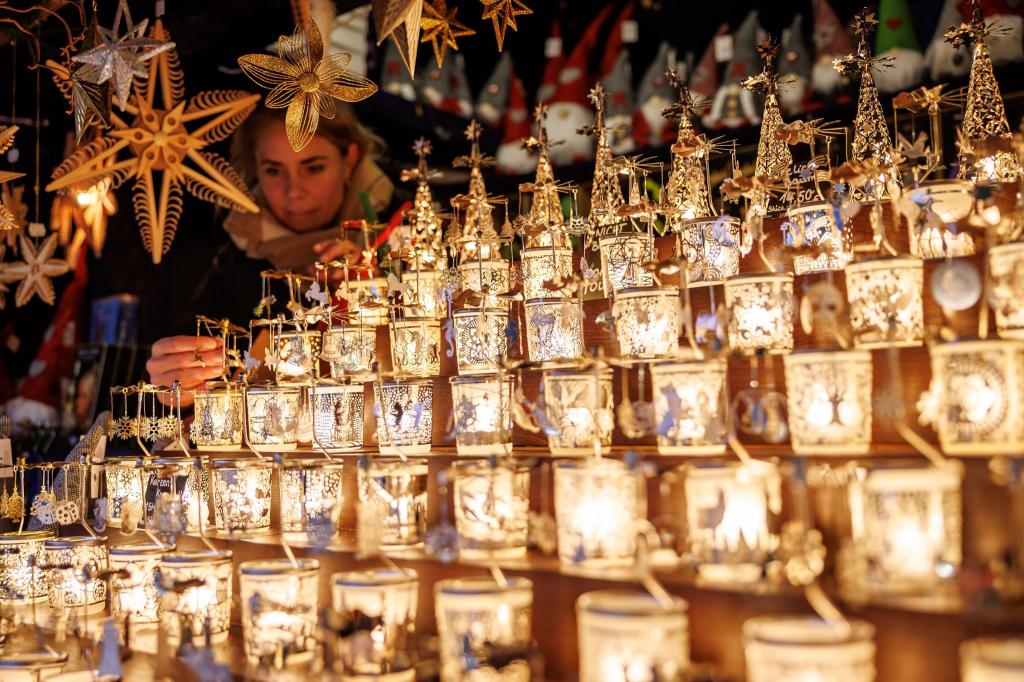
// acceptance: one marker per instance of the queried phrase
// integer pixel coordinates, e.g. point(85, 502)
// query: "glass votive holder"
point(760, 312)
point(385, 598)
point(492, 505)
point(20, 581)
point(338, 416)
point(599, 504)
point(482, 414)
point(952, 201)
point(481, 344)
point(177, 492)
point(579, 405)
point(727, 513)
point(368, 299)
point(404, 410)
point(806, 648)
point(647, 322)
point(490, 275)
point(690, 406)
point(1006, 274)
point(992, 659)
point(416, 346)
point(241, 494)
point(311, 496)
point(476, 614)
point(393, 497)
point(885, 302)
point(297, 355)
point(350, 349)
point(623, 257)
point(125, 487)
point(280, 600)
point(906, 526)
point(272, 417)
point(423, 289)
point(204, 598)
point(554, 329)
point(68, 562)
point(711, 247)
point(974, 401)
point(814, 227)
point(829, 402)
point(218, 417)
point(133, 592)
point(544, 264)
point(33, 666)
point(625, 636)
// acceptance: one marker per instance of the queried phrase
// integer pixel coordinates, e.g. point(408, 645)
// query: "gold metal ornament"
point(400, 19)
point(773, 155)
point(302, 79)
point(502, 14)
point(441, 29)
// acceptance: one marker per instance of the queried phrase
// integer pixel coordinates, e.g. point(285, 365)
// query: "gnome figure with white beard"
point(831, 42)
point(650, 129)
point(794, 67)
point(733, 106)
point(896, 44)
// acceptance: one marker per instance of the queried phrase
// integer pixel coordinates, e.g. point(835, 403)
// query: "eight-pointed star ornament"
point(164, 150)
point(34, 271)
point(502, 14)
point(303, 80)
point(441, 29)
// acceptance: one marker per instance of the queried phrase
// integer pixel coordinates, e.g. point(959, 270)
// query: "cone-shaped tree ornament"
point(423, 220)
point(686, 191)
point(773, 157)
point(478, 234)
point(986, 115)
point(544, 221)
point(606, 192)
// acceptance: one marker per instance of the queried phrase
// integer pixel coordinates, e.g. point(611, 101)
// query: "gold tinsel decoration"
point(440, 28)
point(502, 14)
point(773, 155)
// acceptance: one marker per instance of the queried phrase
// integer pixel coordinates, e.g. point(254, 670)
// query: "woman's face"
point(304, 190)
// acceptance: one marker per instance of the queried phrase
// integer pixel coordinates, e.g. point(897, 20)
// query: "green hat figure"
point(896, 42)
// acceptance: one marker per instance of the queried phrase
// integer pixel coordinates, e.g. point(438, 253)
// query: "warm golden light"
point(690, 406)
point(814, 228)
point(133, 589)
point(481, 341)
point(711, 247)
point(578, 404)
point(829, 402)
point(388, 597)
point(393, 501)
point(992, 659)
point(404, 416)
point(20, 581)
point(623, 256)
point(272, 417)
point(647, 322)
point(205, 602)
point(279, 610)
point(546, 264)
point(492, 505)
point(760, 312)
point(482, 414)
point(416, 346)
point(241, 494)
point(218, 417)
point(1006, 295)
point(311, 496)
point(807, 649)
point(885, 302)
point(554, 329)
point(67, 561)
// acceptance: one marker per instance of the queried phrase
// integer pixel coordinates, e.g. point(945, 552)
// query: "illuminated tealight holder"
point(711, 247)
point(579, 405)
point(829, 402)
point(492, 505)
point(807, 649)
point(187, 486)
point(554, 329)
point(1006, 292)
point(906, 528)
point(370, 300)
point(814, 227)
point(416, 346)
point(647, 322)
point(626, 636)
point(885, 302)
point(690, 406)
point(992, 659)
point(760, 312)
point(205, 602)
point(544, 264)
point(241, 494)
point(218, 417)
point(20, 582)
point(952, 201)
point(350, 349)
point(68, 562)
point(393, 500)
point(481, 343)
point(404, 416)
point(387, 598)
point(727, 514)
point(125, 487)
point(311, 496)
point(424, 290)
point(297, 356)
point(338, 416)
point(975, 395)
point(599, 504)
point(280, 601)
point(272, 417)
point(482, 414)
point(477, 615)
point(494, 275)
point(623, 256)
point(133, 592)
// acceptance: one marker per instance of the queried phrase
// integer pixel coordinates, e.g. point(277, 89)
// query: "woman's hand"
point(338, 249)
point(190, 360)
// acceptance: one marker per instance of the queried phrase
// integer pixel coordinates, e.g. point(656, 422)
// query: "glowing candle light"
point(579, 406)
point(424, 290)
point(205, 602)
point(20, 581)
point(393, 497)
point(387, 597)
point(992, 659)
point(492, 504)
point(133, 592)
point(623, 256)
point(481, 343)
point(241, 494)
point(554, 329)
point(338, 416)
point(760, 312)
point(350, 348)
point(885, 302)
point(647, 322)
point(1006, 272)
point(297, 355)
point(125, 488)
point(542, 265)
point(404, 409)
point(311, 496)
point(490, 276)
point(711, 247)
point(482, 414)
point(814, 227)
point(218, 417)
point(829, 402)
point(807, 649)
point(67, 561)
point(690, 406)
point(416, 346)
point(279, 610)
point(185, 483)
point(272, 416)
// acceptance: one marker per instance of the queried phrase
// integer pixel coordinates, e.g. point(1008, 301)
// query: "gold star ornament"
point(400, 20)
point(303, 80)
point(163, 149)
point(34, 271)
point(502, 14)
point(441, 29)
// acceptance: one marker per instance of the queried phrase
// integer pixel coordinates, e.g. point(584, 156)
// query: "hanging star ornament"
point(7, 137)
point(400, 20)
point(34, 271)
point(303, 80)
point(165, 151)
point(502, 14)
point(441, 29)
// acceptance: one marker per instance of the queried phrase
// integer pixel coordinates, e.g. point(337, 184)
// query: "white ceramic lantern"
point(311, 496)
point(280, 601)
point(545, 264)
point(814, 228)
point(492, 505)
point(416, 346)
point(338, 416)
point(623, 257)
point(423, 289)
point(760, 312)
point(579, 405)
point(272, 417)
point(482, 414)
point(73, 564)
point(241, 494)
point(350, 349)
point(404, 411)
point(711, 247)
point(885, 302)
point(133, 588)
point(1006, 292)
point(218, 417)
point(829, 402)
point(807, 649)
point(205, 603)
point(690, 406)
point(22, 577)
point(554, 329)
point(393, 501)
point(647, 322)
point(992, 659)
point(125, 489)
point(481, 342)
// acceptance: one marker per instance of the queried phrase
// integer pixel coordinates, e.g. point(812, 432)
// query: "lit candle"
point(272, 416)
point(241, 494)
point(829, 403)
point(350, 349)
point(280, 601)
point(311, 496)
point(482, 414)
point(20, 581)
point(125, 487)
point(404, 409)
point(885, 302)
point(544, 264)
point(337, 416)
point(386, 598)
point(1006, 273)
point(807, 649)
point(711, 247)
point(690, 406)
point(205, 602)
point(623, 256)
point(481, 344)
point(760, 312)
point(578, 404)
point(218, 417)
point(554, 329)
point(492, 504)
point(133, 593)
point(67, 560)
point(416, 346)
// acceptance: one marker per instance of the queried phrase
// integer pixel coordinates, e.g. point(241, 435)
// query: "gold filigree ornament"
point(303, 80)
point(441, 29)
point(163, 154)
point(34, 271)
point(502, 14)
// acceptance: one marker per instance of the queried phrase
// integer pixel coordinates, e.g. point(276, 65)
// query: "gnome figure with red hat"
point(831, 42)
point(512, 157)
point(650, 129)
point(617, 79)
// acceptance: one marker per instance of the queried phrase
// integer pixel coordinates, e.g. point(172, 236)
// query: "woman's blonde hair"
point(341, 131)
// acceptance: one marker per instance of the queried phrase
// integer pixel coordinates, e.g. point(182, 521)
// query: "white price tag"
point(552, 47)
point(630, 32)
point(723, 48)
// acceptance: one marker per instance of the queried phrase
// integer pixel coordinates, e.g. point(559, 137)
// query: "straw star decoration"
point(303, 80)
point(502, 14)
point(34, 271)
point(441, 29)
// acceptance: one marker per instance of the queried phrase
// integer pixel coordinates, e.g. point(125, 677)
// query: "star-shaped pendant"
point(7, 137)
point(400, 19)
point(502, 14)
point(34, 271)
point(441, 29)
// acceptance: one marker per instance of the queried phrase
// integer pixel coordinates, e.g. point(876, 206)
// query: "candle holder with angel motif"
point(297, 355)
point(482, 414)
point(760, 312)
point(404, 410)
point(481, 341)
point(711, 247)
point(554, 329)
point(647, 322)
point(423, 291)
